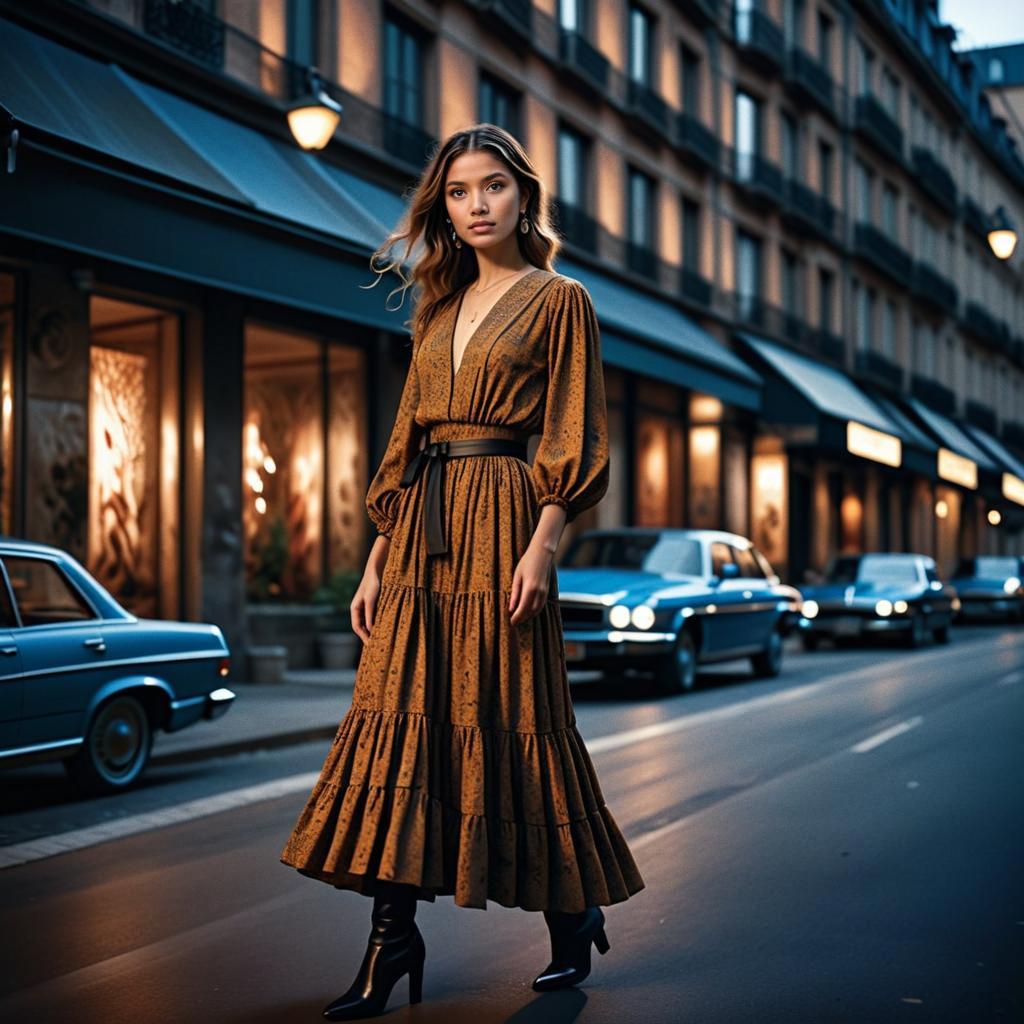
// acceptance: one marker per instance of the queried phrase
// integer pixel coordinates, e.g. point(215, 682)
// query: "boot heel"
point(416, 981)
point(601, 941)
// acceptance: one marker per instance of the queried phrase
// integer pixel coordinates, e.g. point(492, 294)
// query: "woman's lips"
point(481, 227)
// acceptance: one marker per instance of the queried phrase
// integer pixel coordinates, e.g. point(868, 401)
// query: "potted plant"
point(338, 643)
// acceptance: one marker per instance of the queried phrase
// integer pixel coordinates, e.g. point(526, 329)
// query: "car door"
point(61, 645)
point(12, 681)
point(725, 616)
point(762, 613)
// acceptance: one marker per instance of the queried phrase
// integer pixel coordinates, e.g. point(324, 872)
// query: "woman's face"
point(481, 189)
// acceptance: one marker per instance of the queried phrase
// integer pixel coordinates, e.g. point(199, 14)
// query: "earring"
point(524, 226)
point(455, 237)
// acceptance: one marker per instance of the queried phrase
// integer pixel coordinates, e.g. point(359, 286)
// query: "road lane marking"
point(79, 839)
point(886, 734)
point(1010, 678)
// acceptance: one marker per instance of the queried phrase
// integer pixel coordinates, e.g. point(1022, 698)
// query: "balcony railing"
point(806, 211)
point(878, 249)
point(824, 342)
point(759, 39)
point(810, 80)
point(974, 217)
point(760, 179)
point(694, 288)
point(873, 122)
point(702, 12)
point(696, 140)
point(406, 141)
point(188, 27)
point(577, 227)
point(982, 325)
point(933, 176)
point(933, 394)
point(878, 368)
point(650, 110)
point(642, 260)
point(582, 59)
point(514, 15)
point(981, 416)
point(1013, 434)
point(933, 289)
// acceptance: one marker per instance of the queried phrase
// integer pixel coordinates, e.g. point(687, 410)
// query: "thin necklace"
point(480, 291)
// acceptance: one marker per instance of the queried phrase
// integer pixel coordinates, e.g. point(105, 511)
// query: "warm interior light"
point(941, 509)
point(995, 516)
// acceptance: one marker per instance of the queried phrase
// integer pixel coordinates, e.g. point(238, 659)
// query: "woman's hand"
point(364, 601)
point(530, 583)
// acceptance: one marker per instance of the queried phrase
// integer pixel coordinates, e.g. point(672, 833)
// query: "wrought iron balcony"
point(981, 416)
point(759, 39)
point(933, 176)
point(934, 289)
point(877, 368)
point(881, 252)
point(696, 141)
point(577, 227)
point(583, 60)
point(694, 288)
point(807, 212)
point(406, 141)
point(642, 260)
point(974, 217)
point(984, 327)
point(760, 179)
point(188, 27)
point(702, 13)
point(824, 342)
point(934, 394)
point(514, 15)
point(872, 121)
point(809, 80)
point(1013, 434)
point(650, 110)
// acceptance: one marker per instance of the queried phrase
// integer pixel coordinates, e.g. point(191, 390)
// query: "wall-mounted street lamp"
point(1002, 236)
point(313, 117)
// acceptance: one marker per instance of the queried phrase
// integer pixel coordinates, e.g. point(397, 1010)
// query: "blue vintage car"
point(991, 586)
point(666, 600)
point(86, 682)
point(878, 593)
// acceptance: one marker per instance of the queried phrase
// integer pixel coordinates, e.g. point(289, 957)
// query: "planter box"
point(338, 650)
point(294, 626)
point(267, 663)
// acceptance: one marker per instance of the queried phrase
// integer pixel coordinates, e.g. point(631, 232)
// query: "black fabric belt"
point(439, 452)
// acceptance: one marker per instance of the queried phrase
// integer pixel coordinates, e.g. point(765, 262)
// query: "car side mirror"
point(730, 571)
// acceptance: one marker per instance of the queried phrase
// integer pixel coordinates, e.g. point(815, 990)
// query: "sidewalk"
point(309, 705)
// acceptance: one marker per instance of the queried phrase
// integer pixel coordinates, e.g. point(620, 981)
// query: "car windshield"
point(647, 552)
point(874, 569)
point(993, 565)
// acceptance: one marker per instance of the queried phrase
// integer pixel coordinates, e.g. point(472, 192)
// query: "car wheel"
point(810, 642)
point(918, 633)
point(116, 748)
point(677, 672)
point(769, 661)
point(941, 633)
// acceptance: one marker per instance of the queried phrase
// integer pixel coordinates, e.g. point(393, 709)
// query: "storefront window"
point(303, 462)
point(133, 522)
point(6, 402)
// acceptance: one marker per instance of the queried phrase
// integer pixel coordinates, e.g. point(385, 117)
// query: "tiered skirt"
point(458, 767)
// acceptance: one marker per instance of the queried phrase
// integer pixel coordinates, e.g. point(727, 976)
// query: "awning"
point(827, 407)
point(110, 166)
point(959, 457)
point(919, 450)
point(645, 334)
point(1012, 469)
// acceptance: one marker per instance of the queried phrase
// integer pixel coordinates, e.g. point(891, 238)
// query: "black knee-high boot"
point(571, 937)
point(395, 948)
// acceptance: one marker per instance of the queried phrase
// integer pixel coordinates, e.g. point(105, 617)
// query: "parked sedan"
point(878, 593)
point(990, 586)
point(84, 681)
point(667, 600)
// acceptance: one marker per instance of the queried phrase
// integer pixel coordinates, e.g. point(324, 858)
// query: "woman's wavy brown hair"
point(441, 268)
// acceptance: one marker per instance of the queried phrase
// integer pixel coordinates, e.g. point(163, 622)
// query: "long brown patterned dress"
point(458, 767)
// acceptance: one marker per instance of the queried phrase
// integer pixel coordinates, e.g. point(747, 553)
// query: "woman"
point(458, 769)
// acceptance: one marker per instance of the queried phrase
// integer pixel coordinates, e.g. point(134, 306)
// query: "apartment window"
point(499, 103)
point(865, 67)
point(572, 15)
point(748, 272)
point(403, 72)
point(825, 165)
point(790, 147)
point(864, 303)
point(572, 168)
point(825, 27)
point(794, 21)
point(892, 94)
point(302, 32)
point(641, 36)
point(790, 283)
point(890, 201)
point(689, 79)
point(748, 133)
point(691, 234)
point(865, 192)
point(889, 329)
point(641, 209)
point(826, 290)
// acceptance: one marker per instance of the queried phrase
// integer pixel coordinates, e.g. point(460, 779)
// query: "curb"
point(272, 742)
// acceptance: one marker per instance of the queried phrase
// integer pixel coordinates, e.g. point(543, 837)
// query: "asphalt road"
point(842, 844)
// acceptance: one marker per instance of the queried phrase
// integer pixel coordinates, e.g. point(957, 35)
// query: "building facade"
point(779, 209)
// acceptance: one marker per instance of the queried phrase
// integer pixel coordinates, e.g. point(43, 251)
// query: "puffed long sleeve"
point(570, 467)
point(383, 493)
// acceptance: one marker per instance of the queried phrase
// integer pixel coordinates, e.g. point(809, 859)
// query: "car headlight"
point(900, 607)
point(643, 616)
point(809, 609)
point(1011, 585)
point(619, 616)
point(883, 607)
